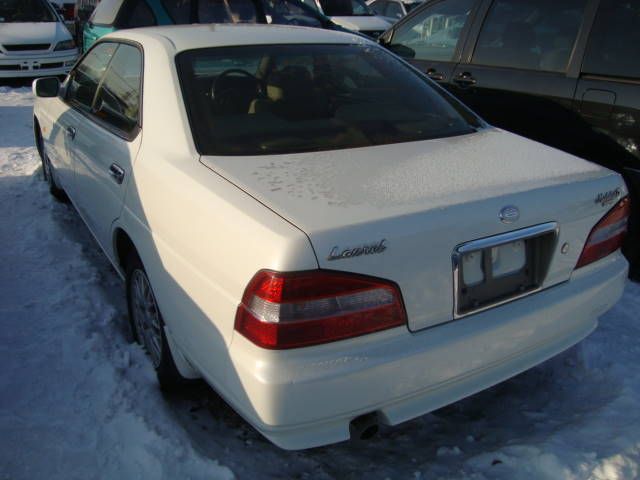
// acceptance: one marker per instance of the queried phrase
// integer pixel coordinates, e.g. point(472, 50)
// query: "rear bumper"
point(37, 65)
point(307, 397)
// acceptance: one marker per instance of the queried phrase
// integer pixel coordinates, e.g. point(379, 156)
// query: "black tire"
point(168, 375)
point(48, 171)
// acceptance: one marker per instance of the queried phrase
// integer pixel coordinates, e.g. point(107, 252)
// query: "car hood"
point(363, 23)
point(26, 33)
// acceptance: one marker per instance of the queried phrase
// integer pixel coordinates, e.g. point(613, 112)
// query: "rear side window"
point(529, 34)
point(433, 33)
point(614, 44)
point(270, 99)
point(85, 78)
point(118, 99)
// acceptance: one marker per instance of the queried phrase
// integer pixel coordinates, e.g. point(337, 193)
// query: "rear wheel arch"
point(174, 368)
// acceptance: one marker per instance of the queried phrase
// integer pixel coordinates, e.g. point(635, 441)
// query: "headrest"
point(291, 82)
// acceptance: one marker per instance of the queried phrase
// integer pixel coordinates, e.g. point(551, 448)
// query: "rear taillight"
point(608, 234)
point(290, 310)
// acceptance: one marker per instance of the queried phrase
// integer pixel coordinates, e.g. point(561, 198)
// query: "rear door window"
point(614, 44)
point(433, 33)
point(85, 78)
point(529, 34)
point(118, 100)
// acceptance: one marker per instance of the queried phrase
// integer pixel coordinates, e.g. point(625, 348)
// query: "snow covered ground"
point(79, 400)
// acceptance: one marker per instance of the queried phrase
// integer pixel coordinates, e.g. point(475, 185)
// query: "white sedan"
point(33, 40)
point(319, 231)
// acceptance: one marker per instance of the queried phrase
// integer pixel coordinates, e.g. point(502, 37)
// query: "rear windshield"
point(25, 11)
point(272, 99)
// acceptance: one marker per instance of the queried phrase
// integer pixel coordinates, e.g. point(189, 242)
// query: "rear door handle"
point(465, 80)
point(433, 74)
point(116, 172)
point(71, 132)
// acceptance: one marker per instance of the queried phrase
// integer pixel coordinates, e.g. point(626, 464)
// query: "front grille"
point(10, 67)
point(26, 47)
point(51, 65)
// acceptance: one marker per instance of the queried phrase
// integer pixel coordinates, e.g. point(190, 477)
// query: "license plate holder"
point(494, 270)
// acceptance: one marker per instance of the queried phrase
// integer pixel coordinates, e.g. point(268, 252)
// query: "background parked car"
point(33, 40)
point(353, 15)
point(563, 72)
point(65, 9)
point(82, 12)
point(393, 10)
point(112, 15)
point(66, 12)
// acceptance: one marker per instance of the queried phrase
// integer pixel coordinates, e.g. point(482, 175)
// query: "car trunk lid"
point(399, 211)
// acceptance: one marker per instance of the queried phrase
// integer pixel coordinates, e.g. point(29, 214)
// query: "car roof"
point(188, 37)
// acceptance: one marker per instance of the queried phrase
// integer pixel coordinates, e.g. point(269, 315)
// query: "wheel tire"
point(49, 172)
point(147, 325)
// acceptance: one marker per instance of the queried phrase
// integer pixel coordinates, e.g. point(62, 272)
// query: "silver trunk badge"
point(338, 253)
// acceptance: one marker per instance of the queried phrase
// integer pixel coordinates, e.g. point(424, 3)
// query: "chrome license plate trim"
point(527, 233)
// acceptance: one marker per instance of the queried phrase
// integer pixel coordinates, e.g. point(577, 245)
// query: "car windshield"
point(25, 11)
point(345, 8)
point(268, 99)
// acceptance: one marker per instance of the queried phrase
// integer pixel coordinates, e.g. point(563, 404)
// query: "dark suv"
point(563, 72)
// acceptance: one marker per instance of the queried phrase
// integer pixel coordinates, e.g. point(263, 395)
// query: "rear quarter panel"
point(200, 238)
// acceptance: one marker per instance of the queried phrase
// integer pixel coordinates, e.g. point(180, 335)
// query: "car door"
point(520, 71)
point(432, 37)
point(608, 100)
point(106, 141)
point(608, 93)
point(76, 95)
point(54, 122)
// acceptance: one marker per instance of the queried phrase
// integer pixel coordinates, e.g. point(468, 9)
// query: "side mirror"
point(46, 87)
point(402, 50)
